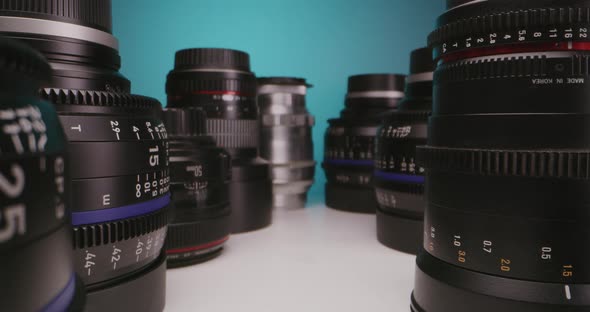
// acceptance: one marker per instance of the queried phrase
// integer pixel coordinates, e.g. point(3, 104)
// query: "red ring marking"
point(200, 247)
point(516, 48)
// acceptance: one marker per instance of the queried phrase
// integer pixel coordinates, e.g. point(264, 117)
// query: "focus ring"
point(187, 234)
point(515, 67)
point(232, 133)
point(98, 98)
point(214, 58)
point(510, 21)
point(178, 87)
point(96, 13)
point(112, 232)
point(551, 164)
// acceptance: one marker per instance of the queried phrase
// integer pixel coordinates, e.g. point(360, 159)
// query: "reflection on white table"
point(315, 259)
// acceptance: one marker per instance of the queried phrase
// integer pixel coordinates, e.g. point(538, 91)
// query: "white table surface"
point(314, 259)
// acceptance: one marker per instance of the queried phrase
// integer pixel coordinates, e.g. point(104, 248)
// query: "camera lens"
point(200, 176)
point(286, 139)
point(74, 35)
point(117, 152)
point(350, 141)
point(35, 252)
point(399, 181)
point(507, 160)
point(120, 181)
point(220, 82)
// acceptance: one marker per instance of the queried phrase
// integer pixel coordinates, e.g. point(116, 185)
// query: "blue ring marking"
point(123, 212)
point(397, 177)
point(63, 300)
point(349, 162)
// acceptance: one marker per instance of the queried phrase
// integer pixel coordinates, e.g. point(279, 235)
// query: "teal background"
point(324, 41)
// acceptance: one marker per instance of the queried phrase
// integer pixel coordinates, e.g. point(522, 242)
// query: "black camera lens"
point(399, 181)
point(200, 177)
point(507, 160)
point(350, 141)
point(220, 82)
point(74, 35)
point(117, 152)
point(286, 136)
point(35, 252)
point(120, 181)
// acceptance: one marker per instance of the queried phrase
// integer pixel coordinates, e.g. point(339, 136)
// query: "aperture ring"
point(111, 159)
point(540, 164)
point(103, 193)
point(522, 26)
point(92, 128)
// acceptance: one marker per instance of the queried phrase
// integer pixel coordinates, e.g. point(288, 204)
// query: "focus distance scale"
point(220, 82)
point(33, 191)
point(350, 141)
point(508, 165)
point(117, 152)
point(399, 181)
point(286, 139)
point(200, 176)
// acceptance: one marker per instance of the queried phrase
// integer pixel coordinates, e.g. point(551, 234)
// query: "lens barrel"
point(399, 181)
point(507, 160)
point(119, 173)
point(220, 82)
point(33, 191)
point(117, 151)
point(286, 139)
point(350, 141)
point(200, 177)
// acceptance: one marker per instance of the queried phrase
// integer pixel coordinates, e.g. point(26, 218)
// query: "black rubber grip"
point(93, 13)
point(550, 163)
point(232, 133)
point(102, 99)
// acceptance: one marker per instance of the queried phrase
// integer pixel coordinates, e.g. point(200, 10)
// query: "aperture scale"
point(557, 28)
